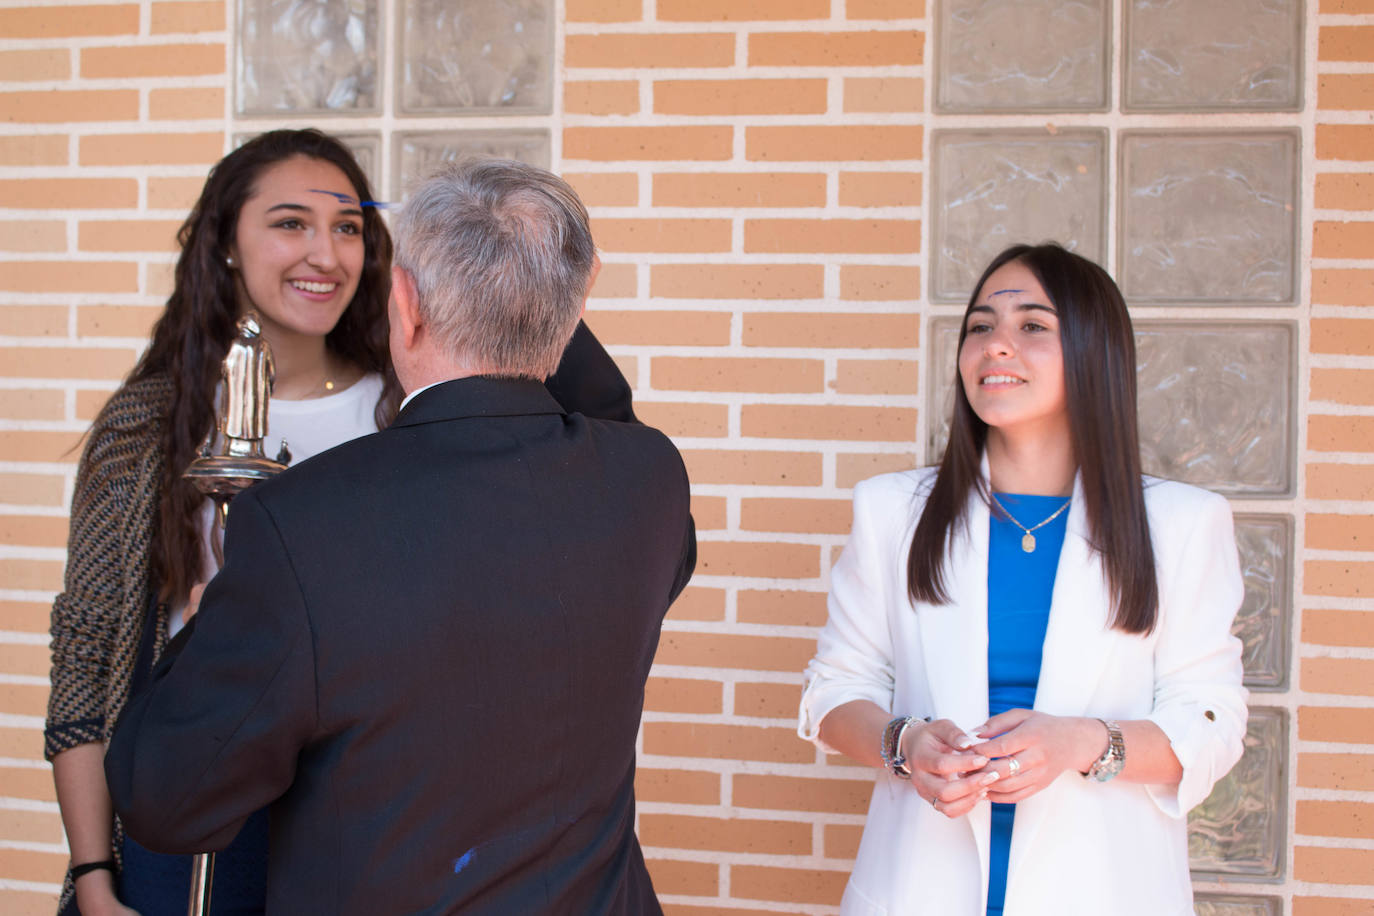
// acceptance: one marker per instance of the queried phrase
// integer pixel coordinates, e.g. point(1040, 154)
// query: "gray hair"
point(500, 253)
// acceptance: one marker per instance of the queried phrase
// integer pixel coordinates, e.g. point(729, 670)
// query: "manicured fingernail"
point(978, 762)
point(990, 778)
point(965, 742)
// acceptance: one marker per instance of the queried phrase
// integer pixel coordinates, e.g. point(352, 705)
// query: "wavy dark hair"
point(192, 337)
point(1100, 387)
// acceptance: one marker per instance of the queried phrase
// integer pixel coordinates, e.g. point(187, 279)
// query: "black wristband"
point(107, 865)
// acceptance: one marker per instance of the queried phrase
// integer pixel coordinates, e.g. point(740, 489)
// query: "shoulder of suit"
point(905, 484)
point(1170, 499)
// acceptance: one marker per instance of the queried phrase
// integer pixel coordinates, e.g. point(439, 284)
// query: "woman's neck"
point(1038, 466)
point(306, 368)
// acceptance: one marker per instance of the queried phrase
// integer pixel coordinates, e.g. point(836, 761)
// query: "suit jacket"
point(426, 653)
point(1078, 846)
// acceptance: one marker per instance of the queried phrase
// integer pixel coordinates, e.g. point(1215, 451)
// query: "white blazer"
point(1078, 846)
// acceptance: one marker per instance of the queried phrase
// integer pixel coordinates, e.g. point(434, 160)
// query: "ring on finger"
point(1013, 766)
point(935, 802)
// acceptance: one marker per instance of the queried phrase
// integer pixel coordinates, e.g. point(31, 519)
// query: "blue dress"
point(1020, 586)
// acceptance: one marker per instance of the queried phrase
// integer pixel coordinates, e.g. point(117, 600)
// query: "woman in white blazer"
point(1033, 624)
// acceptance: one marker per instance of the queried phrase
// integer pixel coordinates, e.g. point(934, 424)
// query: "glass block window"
point(307, 57)
point(419, 153)
point(1241, 827)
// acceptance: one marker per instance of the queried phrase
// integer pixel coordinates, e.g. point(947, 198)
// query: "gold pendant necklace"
point(1028, 539)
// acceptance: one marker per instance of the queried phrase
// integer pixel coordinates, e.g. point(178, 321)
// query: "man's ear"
point(405, 300)
point(591, 281)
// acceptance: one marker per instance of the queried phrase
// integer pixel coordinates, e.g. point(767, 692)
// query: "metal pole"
point(202, 876)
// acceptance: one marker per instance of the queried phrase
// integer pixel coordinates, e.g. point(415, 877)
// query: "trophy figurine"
point(231, 460)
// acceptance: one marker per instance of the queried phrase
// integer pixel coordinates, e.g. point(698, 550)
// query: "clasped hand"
point(1010, 757)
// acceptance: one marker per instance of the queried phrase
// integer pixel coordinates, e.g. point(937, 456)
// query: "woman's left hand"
point(1030, 749)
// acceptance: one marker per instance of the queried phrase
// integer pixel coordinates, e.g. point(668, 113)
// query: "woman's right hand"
point(95, 896)
point(943, 770)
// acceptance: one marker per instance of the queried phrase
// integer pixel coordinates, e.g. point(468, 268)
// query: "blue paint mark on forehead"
point(350, 199)
point(1003, 292)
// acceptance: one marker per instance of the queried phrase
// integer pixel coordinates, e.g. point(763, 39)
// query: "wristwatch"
point(1113, 758)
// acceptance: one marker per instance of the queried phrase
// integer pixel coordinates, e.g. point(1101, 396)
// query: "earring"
point(229, 261)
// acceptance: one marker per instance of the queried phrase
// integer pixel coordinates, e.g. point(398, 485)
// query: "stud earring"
point(229, 261)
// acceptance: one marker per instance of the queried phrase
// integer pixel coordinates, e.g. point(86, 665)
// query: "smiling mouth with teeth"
point(312, 287)
point(1000, 380)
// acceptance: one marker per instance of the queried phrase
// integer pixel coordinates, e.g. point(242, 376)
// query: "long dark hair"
point(192, 336)
point(1099, 382)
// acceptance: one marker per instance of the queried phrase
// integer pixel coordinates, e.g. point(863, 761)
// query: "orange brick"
point(709, 512)
point(116, 320)
point(1342, 287)
point(69, 276)
point(1340, 532)
point(33, 320)
point(1345, 42)
point(684, 787)
point(1344, 725)
point(30, 490)
point(737, 281)
point(867, 48)
point(31, 404)
point(33, 235)
point(829, 421)
point(740, 96)
point(647, 51)
point(1340, 434)
point(885, 9)
point(766, 701)
point(632, 144)
point(604, 10)
point(792, 885)
point(841, 841)
point(735, 834)
point(605, 189)
point(1350, 142)
point(1333, 866)
point(131, 61)
point(729, 742)
point(1338, 191)
point(741, 10)
point(1342, 240)
point(801, 793)
point(677, 418)
point(1349, 819)
point(739, 189)
point(695, 373)
point(601, 97)
point(30, 575)
point(1346, 7)
point(758, 560)
point(25, 617)
point(698, 879)
point(185, 104)
point(880, 189)
point(850, 469)
point(32, 66)
point(183, 16)
point(813, 330)
point(31, 149)
point(749, 653)
point(27, 782)
point(856, 143)
point(698, 602)
point(824, 236)
point(680, 694)
point(798, 516)
point(678, 909)
point(52, 22)
point(128, 235)
point(1332, 906)
point(781, 607)
point(32, 866)
point(173, 193)
point(1350, 336)
point(18, 825)
point(1326, 627)
point(696, 329)
point(68, 193)
point(616, 281)
point(884, 94)
point(1345, 91)
point(876, 376)
point(666, 235)
point(1345, 772)
point(88, 403)
point(67, 362)
point(49, 106)
point(1338, 578)
point(1345, 676)
point(753, 467)
point(152, 149)
point(880, 283)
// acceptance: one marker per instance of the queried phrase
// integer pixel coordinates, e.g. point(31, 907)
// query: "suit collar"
point(478, 396)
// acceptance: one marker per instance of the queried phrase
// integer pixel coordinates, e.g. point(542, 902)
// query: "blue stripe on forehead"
point(1001, 292)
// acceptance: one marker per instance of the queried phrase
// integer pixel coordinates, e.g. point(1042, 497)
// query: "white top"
point(309, 427)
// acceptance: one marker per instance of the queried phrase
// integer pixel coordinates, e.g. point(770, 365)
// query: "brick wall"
point(756, 172)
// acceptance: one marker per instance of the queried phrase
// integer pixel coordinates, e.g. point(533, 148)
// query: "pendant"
point(1028, 542)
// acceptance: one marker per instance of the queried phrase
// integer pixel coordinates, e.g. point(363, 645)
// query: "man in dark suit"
point(427, 649)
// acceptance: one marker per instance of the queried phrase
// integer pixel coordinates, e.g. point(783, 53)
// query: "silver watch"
point(1113, 758)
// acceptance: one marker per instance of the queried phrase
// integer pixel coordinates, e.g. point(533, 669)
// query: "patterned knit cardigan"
point(98, 620)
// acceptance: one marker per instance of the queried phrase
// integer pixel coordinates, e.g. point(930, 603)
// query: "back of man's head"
point(500, 253)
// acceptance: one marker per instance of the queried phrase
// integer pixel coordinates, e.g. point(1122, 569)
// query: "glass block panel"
point(1022, 55)
point(1208, 218)
point(1239, 829)
point(1236, 905)
point(419, 154)
point(307, 56)
point(1199, 54)
point(943, 357)
point(995, 188)
point(367, 149)
point(477, 56)
point(1216, 404)
point(1265, 543)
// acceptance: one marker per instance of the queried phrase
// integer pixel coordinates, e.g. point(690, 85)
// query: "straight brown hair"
point(1099, 380)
